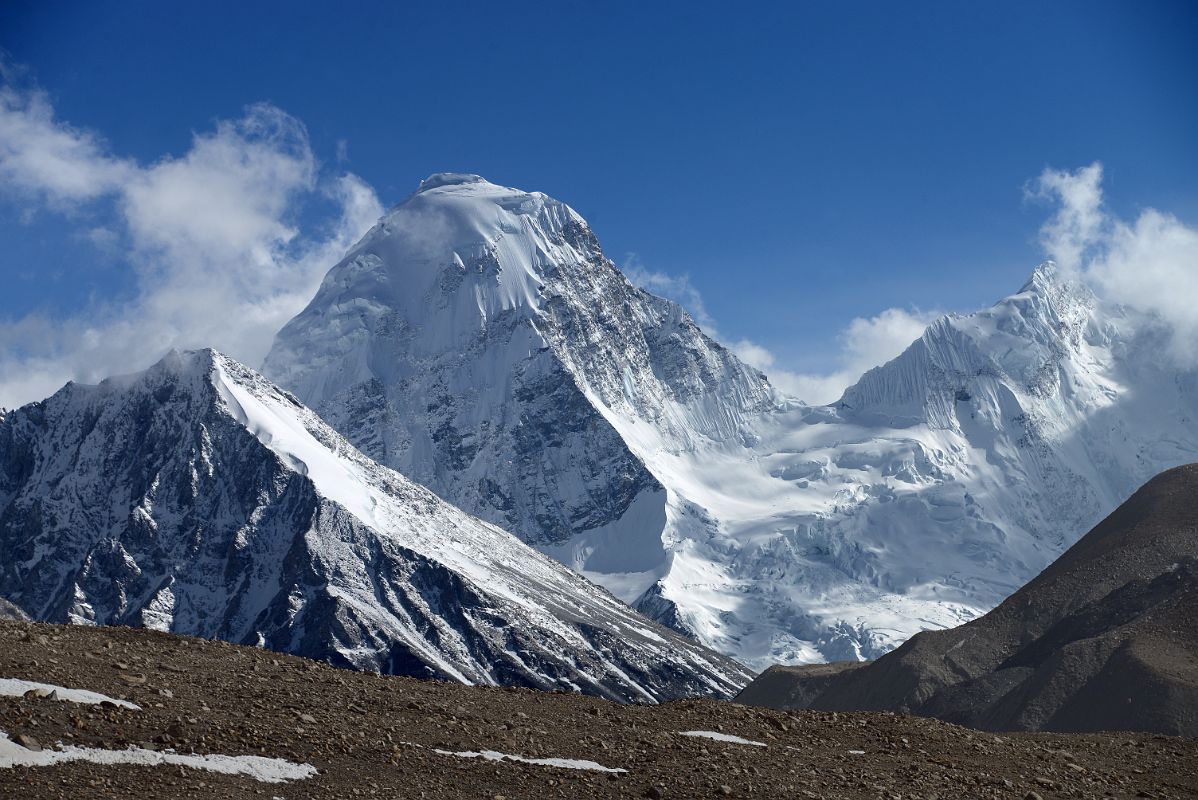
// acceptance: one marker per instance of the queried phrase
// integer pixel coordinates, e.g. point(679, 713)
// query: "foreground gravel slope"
point(379, 736)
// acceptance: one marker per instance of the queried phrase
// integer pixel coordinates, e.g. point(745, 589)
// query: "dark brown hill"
point(1106, 638)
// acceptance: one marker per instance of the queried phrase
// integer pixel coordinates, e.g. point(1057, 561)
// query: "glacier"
point(198, 498)
point(478, 341)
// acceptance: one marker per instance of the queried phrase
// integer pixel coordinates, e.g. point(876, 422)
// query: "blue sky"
point(797, 165)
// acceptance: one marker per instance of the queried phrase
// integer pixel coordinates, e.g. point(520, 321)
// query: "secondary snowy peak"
point(1026, 340)
point(940, 482)
point(478, 341)
point(199, 498)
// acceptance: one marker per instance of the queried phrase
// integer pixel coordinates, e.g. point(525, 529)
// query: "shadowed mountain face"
point(1104, 639)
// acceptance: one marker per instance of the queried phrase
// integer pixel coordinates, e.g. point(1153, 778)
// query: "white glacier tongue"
point(478, 341)
point(199, 498)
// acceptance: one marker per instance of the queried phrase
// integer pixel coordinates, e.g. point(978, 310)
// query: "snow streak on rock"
point(15, 687)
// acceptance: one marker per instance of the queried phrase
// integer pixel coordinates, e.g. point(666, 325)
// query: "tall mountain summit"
point(478, 341)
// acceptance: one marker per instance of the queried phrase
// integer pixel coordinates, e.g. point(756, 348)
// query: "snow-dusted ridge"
point(198, 498)
point(478, 341)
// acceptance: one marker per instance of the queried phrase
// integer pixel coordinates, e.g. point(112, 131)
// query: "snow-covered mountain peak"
point(478, 340)
point(1024, 339)
point(451, 258)
point(1045, 276)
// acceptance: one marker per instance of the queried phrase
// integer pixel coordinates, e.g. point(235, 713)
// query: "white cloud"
point(865, 343)
point(228, 196)
point(672, 287)
point(50, 158)
point(1077, 225)
point(211, 236)
point(1150, 264)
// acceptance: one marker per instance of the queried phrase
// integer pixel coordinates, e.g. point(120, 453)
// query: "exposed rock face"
point(11, 611)
point(1104, 639)
point(198, 498)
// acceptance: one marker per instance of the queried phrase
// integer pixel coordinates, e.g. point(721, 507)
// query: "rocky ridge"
point(198, 498)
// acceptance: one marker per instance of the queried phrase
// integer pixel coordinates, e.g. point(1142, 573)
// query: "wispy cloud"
point(49, 158)
point(672, 287)
point(866, 342)
point(1150, 264)
point(210, 236)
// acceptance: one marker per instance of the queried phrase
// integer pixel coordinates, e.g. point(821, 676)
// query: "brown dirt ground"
point(373, 736)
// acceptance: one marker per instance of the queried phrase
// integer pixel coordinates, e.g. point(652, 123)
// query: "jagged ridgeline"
point(198, 498)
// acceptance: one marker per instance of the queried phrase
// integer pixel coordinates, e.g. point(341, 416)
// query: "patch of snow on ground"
point(564, 763)
point(266, 770)
point(14, 687)
point(723, 737)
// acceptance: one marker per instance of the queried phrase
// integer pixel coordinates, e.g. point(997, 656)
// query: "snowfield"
point(723, 737)
point(564, 763)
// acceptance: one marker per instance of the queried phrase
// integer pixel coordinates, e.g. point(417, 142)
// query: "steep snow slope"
point(198, 498)
point(477, 340)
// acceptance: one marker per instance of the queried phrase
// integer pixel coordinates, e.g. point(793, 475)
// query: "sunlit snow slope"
point(477, 340)
point(198, 498)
